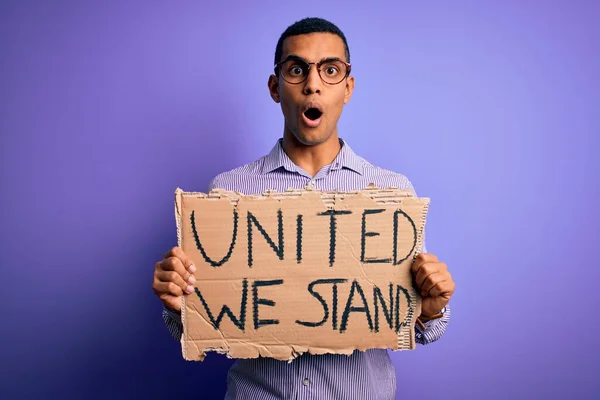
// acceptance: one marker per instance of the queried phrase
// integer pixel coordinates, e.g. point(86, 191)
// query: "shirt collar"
point(277, 158)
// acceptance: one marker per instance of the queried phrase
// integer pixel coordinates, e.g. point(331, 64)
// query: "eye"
point(331, 70)
point(296, 70)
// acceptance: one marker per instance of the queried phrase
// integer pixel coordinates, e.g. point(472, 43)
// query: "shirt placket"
point(305, 380)
point(319, 177)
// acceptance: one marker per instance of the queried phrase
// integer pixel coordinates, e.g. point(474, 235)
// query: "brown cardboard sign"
point(281, 274)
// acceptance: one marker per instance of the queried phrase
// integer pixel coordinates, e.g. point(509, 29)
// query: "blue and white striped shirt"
point(364, 375)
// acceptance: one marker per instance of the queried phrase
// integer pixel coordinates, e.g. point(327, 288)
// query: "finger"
point(422, 258)
point(417, 264)
point(427, 269)
point(173, 252)
point(178, 252)
point(423, 271)
point(443, 288)
point(172, 270)
point(174, 277)
point(175, 264)
point(164, 289)
point(430, 281)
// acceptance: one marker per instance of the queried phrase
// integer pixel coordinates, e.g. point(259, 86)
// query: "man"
point(312, 82)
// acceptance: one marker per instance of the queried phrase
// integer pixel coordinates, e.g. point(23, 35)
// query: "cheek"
point(288, 106)
point(337, 105)
point(341, 95)
point(288, 110)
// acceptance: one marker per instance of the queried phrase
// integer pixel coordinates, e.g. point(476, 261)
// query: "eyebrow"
point(298, 58)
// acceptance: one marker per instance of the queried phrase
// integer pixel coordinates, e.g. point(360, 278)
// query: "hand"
point(434, 282)
point(173, 278)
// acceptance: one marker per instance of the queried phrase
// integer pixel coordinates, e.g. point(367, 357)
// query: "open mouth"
point(313, 114)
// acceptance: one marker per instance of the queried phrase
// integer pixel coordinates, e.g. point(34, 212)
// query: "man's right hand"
point(173, 278)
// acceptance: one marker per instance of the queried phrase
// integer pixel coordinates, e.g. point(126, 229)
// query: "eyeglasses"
point(295, 70)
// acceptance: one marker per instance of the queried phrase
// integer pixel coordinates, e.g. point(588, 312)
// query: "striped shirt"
point(363, 375)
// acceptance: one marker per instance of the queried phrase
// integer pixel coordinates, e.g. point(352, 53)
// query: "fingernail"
point(192, 268)
point(190, 289)
point(192, 279)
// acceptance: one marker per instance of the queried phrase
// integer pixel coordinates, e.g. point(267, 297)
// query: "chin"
point(311, 137)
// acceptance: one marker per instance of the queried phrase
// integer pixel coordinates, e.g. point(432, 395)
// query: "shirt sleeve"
point(434, 329)
point(173, 322)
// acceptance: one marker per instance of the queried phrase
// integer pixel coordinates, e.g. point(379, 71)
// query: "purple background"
point(491, 108)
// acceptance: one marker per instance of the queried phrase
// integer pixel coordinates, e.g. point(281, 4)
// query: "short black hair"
point(310, 25)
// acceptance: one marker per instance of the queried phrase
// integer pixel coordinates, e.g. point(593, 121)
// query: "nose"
point(313, 82)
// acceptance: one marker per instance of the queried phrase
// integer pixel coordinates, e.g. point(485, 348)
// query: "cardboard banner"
point(281, 274)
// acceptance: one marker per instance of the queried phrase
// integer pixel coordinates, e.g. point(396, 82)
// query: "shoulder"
point(232, 179)
point(383, 177)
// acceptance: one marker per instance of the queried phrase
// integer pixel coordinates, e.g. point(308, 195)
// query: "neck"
point(311, 158)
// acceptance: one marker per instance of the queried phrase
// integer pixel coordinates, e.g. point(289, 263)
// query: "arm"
point(437, 286)
point(173, 322)
point(434, 329)
point(173, 278)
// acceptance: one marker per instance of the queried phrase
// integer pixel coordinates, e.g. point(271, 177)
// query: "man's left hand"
point(434, 282)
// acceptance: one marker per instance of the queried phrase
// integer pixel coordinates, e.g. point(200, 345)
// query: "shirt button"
point(306, 382)
point(312, 182)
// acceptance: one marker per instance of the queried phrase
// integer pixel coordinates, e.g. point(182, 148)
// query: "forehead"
point(314, 46)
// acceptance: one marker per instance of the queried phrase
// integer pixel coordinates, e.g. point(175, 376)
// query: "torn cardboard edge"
point(238, 349)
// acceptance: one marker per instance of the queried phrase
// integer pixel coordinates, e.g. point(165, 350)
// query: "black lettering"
point(349, 308)
point(256, 301)
point(408, 309)
point(239, 322)
point(365, 234)
point(334, 319)
point(311, 290)
point(299, 239)
point(388, 313)
point(332, 229)
point(277, 249)
point(414, 231)
point(201, 248)
point(397, 315)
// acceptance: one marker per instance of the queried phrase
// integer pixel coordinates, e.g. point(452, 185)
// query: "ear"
point(274, 88)
point(349, 89)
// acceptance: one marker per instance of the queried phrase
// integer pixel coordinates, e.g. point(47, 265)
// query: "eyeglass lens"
point(296, 71)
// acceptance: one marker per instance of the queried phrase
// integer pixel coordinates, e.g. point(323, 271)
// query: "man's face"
point(312, 108)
